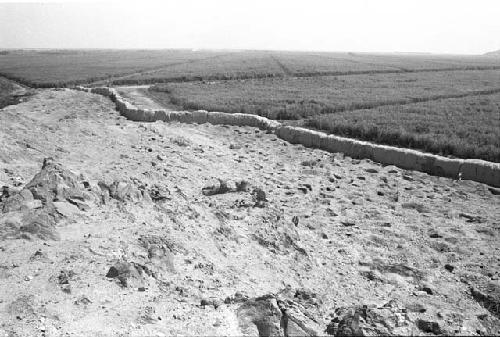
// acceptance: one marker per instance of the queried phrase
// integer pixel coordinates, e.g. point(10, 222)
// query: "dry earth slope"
point(115, 228)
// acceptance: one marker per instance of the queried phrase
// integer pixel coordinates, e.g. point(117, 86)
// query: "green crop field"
point(453, 113)
point(295, 98)
point(466, 127)
point(51, 68)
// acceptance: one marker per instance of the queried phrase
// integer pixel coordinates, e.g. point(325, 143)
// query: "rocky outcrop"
point(273, 315)
point(389, 320)
point(56, 193)
point(53, 194)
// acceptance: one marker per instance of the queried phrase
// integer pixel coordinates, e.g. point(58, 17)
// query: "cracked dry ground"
point(115, 235)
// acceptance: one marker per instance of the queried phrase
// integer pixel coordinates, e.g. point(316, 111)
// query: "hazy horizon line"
point(247, 50)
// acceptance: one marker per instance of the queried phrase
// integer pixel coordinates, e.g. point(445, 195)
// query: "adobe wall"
point(470, 169)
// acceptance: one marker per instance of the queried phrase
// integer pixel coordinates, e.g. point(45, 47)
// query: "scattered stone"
point(472, 218)
point(387, 320)
point(242, 186)
point(181, 141)
point(210, 302)
point(129, 274)
point(302, 189)
point(238, 297)
point(371, 170)
point(38, 255)
point(82, 301)
point(416, 206)
point(488, 295)
point(434, 235)
point(449, 267)
point(348, 223)
point(307, 297)
point(121, 190)
point(310, 163)
point(5, 193)
point(159, 193)
point(427, 289)
point(308, 186)
point(429, 327)
point(65, 276)
point(220, 188)
point(259, 197)
point(416, 307)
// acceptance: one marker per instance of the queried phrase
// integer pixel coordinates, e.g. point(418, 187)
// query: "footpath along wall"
point(469, 169)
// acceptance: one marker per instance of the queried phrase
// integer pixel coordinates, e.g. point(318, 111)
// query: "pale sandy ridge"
point(348, 232)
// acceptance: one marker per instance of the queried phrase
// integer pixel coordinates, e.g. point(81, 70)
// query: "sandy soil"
point(346, 232)
point(137, 95)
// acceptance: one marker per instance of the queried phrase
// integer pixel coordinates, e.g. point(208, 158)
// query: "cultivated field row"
point(477, 170)
point(464, 126)
point(446, 113)
point(247, 76)
point(71, 67)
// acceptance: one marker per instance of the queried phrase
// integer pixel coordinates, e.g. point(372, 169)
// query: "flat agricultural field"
point(466, 127)
point(454, 113)
point(295, 98)
point(50, 68)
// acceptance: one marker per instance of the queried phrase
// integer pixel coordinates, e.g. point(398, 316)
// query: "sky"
point(436, 26)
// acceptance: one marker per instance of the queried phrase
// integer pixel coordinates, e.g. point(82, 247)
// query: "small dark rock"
point(449, 267)
point(210, 302)
point(428, 290)
point(220, 188)
point(127, 273)
point(429, 327)
point(65, 276)
point(82, 300)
